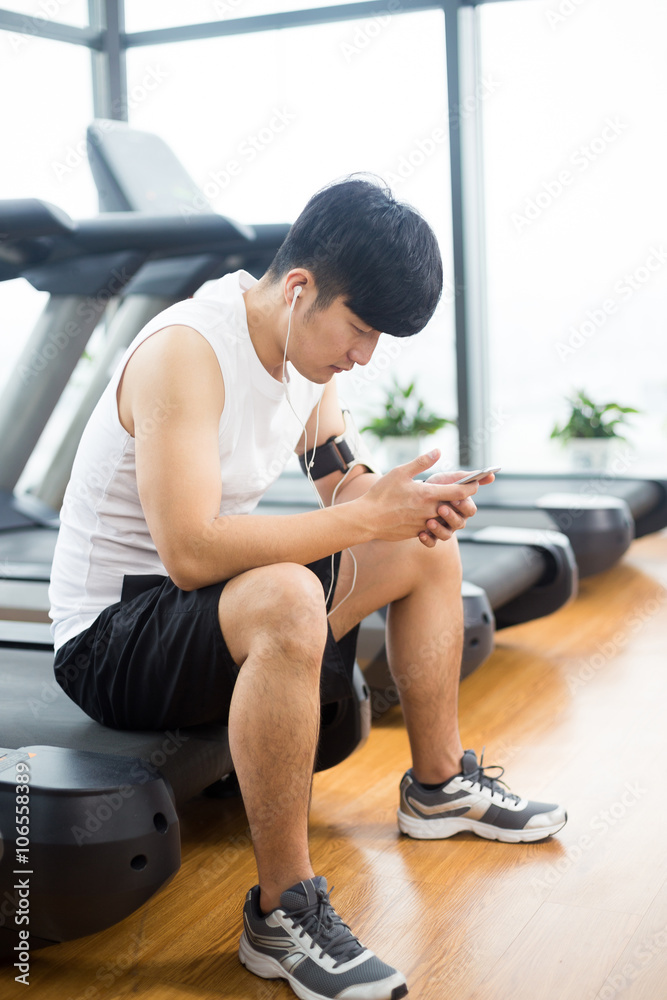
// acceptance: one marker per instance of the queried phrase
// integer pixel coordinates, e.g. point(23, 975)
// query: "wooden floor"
point(575, 708)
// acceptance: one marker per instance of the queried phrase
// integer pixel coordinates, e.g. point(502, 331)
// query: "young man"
point(190, 609)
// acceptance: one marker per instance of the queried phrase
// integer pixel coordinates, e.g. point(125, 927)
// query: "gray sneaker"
point(305, 942)
point(476, 802)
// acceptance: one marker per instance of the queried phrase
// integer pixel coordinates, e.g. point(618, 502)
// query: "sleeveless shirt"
point(103, 534)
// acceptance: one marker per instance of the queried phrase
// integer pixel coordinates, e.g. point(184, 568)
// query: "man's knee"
point(292, 594)
point(281, 609)
point(441, 563)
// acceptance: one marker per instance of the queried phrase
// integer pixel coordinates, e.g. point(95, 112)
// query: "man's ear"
point(299, 277)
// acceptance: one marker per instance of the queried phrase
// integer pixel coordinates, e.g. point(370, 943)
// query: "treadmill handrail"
point(144, 231)
point(26, 218)
point(38, 233)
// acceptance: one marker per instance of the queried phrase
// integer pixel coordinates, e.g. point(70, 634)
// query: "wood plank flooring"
point(575, 707)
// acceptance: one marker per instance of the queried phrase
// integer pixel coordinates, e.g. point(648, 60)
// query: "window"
point(74, 12)
point(43, 121)
point(574, 156)
point(329, 100)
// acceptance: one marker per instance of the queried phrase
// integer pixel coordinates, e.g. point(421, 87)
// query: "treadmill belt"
point(29, 545)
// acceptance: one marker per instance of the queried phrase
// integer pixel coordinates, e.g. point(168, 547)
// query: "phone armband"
point(338, 454)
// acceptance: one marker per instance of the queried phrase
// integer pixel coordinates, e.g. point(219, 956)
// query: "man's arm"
point(171, 398)
point(359, 480)
point(332, 424)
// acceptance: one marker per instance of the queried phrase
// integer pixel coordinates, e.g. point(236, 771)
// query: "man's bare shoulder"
point(176, 365)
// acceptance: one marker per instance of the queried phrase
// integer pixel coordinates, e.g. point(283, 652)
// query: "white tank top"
point(103, 534)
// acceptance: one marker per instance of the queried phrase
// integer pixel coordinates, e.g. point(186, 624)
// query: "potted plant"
point(405, 420)
point(591, 429)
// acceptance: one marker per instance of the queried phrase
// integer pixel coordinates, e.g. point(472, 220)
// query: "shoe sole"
point(270, 968)
point(440, 829)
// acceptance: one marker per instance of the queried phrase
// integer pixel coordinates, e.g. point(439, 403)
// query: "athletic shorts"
point(157, 659)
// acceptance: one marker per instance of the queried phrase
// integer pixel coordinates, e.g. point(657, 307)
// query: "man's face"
point(326, 341)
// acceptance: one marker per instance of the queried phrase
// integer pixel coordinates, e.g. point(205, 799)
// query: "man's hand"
point(456, 515)
point(402, 507)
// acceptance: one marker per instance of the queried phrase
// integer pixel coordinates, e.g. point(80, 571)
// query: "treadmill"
point(84, 265)
point(151, 261)
point(579, 503)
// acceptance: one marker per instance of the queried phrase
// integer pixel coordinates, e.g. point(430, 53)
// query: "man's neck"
point(265, 318)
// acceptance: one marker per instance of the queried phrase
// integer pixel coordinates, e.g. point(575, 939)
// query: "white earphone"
point(297, 292)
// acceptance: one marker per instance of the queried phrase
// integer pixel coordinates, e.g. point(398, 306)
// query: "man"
point(190, 610)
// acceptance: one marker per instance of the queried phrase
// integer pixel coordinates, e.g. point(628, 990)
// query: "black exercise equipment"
point(83, 265)
point(103, 831)
point(646, 499)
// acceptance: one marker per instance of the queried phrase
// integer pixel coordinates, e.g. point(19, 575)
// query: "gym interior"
point(151, 147)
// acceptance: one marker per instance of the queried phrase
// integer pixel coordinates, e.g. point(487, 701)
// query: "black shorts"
point(157, 659)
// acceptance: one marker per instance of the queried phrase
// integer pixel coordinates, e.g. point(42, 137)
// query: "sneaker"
point(476, 802)
point(305, 942)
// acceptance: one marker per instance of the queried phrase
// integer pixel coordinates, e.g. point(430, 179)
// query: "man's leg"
point(424, 639)
point(425, 629)
point(274, 623)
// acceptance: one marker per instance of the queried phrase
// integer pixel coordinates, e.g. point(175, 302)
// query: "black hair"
point(379, 254)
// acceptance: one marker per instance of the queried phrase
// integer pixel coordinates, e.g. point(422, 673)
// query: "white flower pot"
point(590, 454)
point(399, 450)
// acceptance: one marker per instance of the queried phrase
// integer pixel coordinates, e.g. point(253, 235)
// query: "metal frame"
point(108, 41)
point(468, 233)
point(109, 65)
point(40, 27)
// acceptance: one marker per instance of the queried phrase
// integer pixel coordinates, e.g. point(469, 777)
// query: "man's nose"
point(362, 353)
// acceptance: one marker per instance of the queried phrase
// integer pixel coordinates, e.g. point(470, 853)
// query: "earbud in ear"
point(297, 292)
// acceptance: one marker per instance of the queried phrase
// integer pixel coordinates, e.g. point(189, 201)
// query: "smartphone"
point(472, 477)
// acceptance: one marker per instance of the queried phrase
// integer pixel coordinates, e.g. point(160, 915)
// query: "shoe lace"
point(327, 930)
point(482, 778)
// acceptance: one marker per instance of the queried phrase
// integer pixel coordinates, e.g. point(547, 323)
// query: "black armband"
point(333, 456)
point(338, 454)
